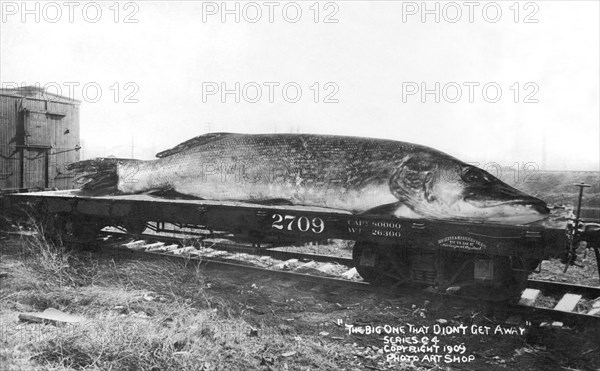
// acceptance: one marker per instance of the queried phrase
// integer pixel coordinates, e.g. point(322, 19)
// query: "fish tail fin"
point(99, 175)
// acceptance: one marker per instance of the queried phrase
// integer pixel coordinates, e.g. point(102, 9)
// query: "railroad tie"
point(170, 248)
point(327, 268)
point(237, 256)
point(162, 247)
point(135, 245)
point(286, 265)
point(529, 297)
point(568, 303)
point(308, 265)
point(183, 250)
point(152, 246)
point(203, 250)
point(350, 274)
point(195, 252)
point(215, 254)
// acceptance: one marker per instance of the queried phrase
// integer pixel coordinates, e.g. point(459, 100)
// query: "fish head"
point(443, 187)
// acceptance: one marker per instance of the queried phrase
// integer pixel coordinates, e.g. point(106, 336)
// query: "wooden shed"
point(39, 135)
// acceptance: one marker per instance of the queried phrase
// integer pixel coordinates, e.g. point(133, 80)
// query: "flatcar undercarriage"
point(488, 277)
point(480, 275)
point(475, 259)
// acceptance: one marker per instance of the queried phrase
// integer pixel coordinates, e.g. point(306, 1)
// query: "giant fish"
point(360, 175)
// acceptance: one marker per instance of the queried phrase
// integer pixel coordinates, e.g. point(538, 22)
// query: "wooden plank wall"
point(59, 132)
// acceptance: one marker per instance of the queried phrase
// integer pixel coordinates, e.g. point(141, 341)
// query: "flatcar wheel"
point(374, 263)
point(508, 282)
point(52, 226)
point(516, 282)
point(67, 228)
point(59, 228)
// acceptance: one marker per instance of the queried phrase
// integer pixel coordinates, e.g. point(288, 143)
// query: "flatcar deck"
point(308, 223)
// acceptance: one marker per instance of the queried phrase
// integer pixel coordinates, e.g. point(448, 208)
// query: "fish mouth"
point(501, 195)
point(529, 203)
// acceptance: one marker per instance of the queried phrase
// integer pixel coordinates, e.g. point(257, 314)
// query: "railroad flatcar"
point(479, 258)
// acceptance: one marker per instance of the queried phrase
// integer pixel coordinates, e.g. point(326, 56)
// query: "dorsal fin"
point(197, 141)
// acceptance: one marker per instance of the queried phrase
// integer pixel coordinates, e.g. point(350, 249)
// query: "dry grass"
point(135, 343)
point(143, 315)
point(52, 261)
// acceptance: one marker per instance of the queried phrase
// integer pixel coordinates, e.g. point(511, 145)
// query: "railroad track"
point(542, 301)
point(561, 302)
point(327, 270)
point(228, 246)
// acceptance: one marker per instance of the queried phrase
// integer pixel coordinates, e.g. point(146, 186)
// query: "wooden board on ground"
point(568, 302)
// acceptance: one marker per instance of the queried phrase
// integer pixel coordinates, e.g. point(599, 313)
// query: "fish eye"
point(470, 175)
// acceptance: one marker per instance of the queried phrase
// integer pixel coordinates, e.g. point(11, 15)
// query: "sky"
point(487, 82)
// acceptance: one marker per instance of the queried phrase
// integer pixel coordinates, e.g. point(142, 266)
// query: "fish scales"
point(303, 169)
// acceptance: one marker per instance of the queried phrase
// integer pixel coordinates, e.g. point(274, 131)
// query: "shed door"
point(35, 168)
point(38, 128)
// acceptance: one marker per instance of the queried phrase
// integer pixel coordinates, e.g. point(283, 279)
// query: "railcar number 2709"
point(295, 223)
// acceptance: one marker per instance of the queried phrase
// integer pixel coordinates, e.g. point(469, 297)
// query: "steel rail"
point(553, 288)
point(212, 262)
point(232, 247)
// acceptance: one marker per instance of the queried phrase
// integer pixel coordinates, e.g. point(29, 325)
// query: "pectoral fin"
point(172, 194)
point(397, 209)
point(386, 209)
point(271, 202)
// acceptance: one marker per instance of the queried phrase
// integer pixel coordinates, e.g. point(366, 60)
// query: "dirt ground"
point(164, 315)
point(584, 273)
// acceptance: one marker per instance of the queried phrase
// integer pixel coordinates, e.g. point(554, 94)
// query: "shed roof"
point(37, 92)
